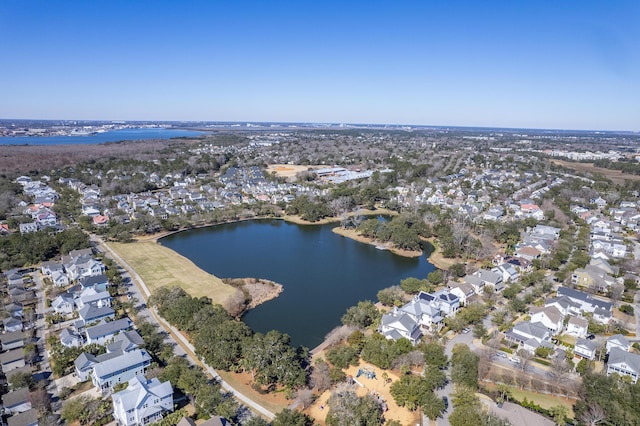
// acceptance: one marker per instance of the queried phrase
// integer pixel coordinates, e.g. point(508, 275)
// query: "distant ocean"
point(111, 136)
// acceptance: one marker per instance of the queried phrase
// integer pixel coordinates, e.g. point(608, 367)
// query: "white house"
point(529, 335)
point(623, 363)
point(577, 326)
point(89, 296)
point(105, 375)
point(508, 271)
point(106, 331)
point(63, 304)
point(586, 348)
point(490, 278)
point(618, 341)
point(142, 402)
point(463, 291)
point(550, 317)
point(396, 325)
point(69, 339)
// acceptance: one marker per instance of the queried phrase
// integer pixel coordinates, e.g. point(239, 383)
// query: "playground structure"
point(367, 372)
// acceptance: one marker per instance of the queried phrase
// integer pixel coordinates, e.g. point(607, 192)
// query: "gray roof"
point(93, 280)
point(590, 345)
point(535, 329)
point(90, 312)
point(14, 336)
point(473, 280)
point(127, 359)
point(619, 339)
point(11, 356)
point(139, 391)
point(108, 328)
point(488, 276)
point(86, 360)
point(29, 417)
point(618, 356)
point(584, 297)
point(16, 397)
point(125, 342)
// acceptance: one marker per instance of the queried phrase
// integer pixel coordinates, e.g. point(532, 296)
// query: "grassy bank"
point(159, 266)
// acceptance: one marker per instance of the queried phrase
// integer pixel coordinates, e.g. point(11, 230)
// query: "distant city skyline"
point(535, 65)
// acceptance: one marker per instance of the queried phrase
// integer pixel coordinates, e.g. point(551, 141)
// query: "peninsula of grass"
point(159, 266)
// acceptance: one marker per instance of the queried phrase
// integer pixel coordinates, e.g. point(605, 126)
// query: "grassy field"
point(159, 266)
point(543, 400)
point(616, 176)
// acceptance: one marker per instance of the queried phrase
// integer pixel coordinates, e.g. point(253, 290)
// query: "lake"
point(322, 273)
point(96, 138)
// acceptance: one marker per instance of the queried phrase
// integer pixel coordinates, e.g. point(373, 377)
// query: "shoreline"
point(353, 234)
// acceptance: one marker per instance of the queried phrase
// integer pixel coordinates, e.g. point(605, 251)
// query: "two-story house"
point(142, 402)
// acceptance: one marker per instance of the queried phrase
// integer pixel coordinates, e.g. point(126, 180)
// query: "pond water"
point(322, 273)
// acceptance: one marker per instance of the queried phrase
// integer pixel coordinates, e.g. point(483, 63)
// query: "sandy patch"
point(289, 170)
point(372, 386)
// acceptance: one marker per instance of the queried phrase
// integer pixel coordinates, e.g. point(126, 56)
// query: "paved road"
point(142, 293)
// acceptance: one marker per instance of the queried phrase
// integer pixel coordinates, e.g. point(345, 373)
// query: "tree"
point(559, 413)
point(391, 296)
point(414, 285)
point(22, 380)
point(593, 415)
point(464, 366)
point(362, 315)
point(289, 417)
point(560, 369)
point(434, 354)
point(432, 405)
point(348, 409)
point(467, 407)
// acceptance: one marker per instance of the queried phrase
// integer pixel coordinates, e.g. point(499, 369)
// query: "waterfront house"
point(396, 325)
point(142, 402)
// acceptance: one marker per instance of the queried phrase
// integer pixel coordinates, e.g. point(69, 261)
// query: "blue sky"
point(535, 64)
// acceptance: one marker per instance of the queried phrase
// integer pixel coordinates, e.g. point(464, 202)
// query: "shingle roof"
point(107, 328)
point(110, 366)
point(138, 391)
point(618, 356)
point(16, 397)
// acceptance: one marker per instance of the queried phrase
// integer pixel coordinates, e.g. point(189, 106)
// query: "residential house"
point(16, 310)
point(89, 296)
point(70, 339)
point(623, 363)
point(13, 340)
point(529, 335)
point(106, 331)
point(448, 302)
point(97, 282)
point(90, 313)
point(490, 278)
point(142, 402)
point(63, 304)
point(83, 266)
point(508, 271)
point(396, 325)
point(618, 341)
point(59, 279)
point(17, 401)
point(587, 302)
point(476, 282)
point(125, 342)
point(463, 291)
point(550, 317)
point(577, 326)
point(48, 268)
point(28, 418)
point(586, 348)
point(12, 324)
point(105, 375)
point(12, 359)
point(26, 228)
point(529, 253)
point(593, 277)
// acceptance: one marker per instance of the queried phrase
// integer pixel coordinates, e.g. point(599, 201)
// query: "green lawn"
point(159, 266)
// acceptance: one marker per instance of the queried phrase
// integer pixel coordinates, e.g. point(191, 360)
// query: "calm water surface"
point(322, 273)
point(111, 136)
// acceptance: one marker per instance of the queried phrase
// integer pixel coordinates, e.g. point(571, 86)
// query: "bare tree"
point(525, 360)
point(304, 397)
point(560, 369)
point(320, 377)
point(593, 416)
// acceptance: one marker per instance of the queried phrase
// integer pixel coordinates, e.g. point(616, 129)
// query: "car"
point(466, 330)
point(501, 354)
point(446, 402)
point(591, 337)
point(514, 360)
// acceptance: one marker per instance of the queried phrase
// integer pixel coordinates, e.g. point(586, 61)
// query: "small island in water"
point(255, 291)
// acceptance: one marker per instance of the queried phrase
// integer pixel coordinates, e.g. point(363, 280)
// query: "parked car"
point(591, 337)
point(446, 402)
point(466, 330)
point(501, 354)
point(514, 360)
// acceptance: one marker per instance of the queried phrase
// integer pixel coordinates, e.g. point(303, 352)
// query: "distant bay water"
point(96, 138)
point(322, 273)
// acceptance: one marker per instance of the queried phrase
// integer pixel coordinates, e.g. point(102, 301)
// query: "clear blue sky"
point(538, 64)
